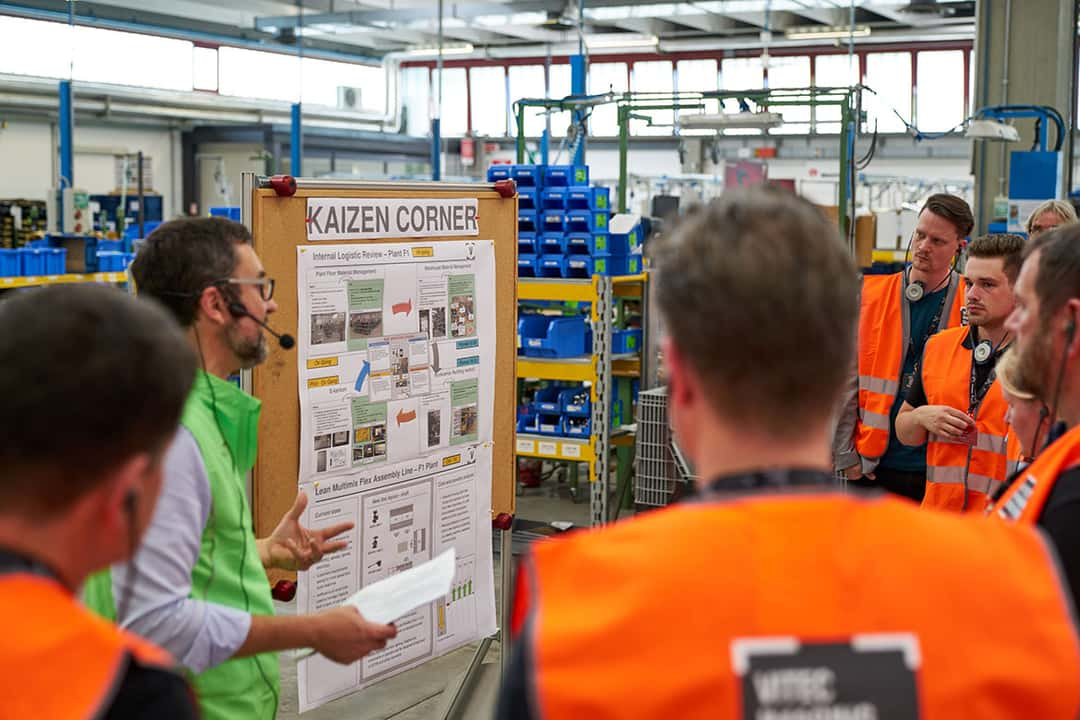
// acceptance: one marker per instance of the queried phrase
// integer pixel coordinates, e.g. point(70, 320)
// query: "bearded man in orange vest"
point(775, 594)
point(1047, 492)
point(955, 407)
point(93, 383)
point(898, 313)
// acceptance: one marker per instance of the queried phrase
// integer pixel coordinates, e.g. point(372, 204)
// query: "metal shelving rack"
point(596, 369)
point(40, 280)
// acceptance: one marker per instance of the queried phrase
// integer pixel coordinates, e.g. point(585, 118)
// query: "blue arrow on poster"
point(364, 372)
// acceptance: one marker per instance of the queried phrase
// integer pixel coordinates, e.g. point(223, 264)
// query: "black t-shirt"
point(144, 692)
point(1060, 520)
point(916, 395)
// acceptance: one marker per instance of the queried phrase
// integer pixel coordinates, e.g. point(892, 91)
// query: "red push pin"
point(283, 185)
point(506, 188)
point(503, 521)
point(284, 591)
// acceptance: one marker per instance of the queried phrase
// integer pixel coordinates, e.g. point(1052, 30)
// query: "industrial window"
point(416, 100)
point(698, 75)
point(527, 81)
point(833, 71)
point(653, 76)
point(57, 50)
point(604, 77)
point(889, 75)
point(204, 68)
point(791, 72)
point(939, 90)
point(559, 87)
point(487, 89)
point(741, 74)
point(454, 99)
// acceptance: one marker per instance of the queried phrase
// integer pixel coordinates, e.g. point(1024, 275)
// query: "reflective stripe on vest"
point(972, 471)
point(884, 336)
point(59, 660)
point(1025, 500)
point(783, 578)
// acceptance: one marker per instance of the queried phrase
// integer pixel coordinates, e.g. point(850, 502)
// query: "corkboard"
point(278, 226)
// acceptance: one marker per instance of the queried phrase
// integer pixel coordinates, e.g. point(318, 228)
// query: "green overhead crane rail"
point(631, 105)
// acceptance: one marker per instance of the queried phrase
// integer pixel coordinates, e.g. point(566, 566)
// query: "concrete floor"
point(419, 693)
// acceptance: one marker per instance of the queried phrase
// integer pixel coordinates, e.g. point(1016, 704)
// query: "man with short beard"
point(1047, 493)
point(199, 588)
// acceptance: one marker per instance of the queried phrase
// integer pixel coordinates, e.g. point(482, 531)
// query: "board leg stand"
point(459, 694)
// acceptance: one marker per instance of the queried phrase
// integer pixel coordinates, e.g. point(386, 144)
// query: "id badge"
point(970, 437)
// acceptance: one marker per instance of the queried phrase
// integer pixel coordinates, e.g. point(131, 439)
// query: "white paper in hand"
point(400, 594)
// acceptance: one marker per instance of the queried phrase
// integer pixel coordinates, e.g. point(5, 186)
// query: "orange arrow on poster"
point(404, 417)
point(402, 308)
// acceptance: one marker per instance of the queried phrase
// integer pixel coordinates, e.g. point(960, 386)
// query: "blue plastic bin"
point(499, 172)
point(580, 244)
point(577, 266)
point(55, 261)
point(588, 198)
point(549, 424)
point(32, 261)
point(527, 198)
point(230, 212)
point(548, 400)
point(575, 402)
point(565, 175)
point(526, 242)
point(9, 262)
point(526, 265)
point(110, 261)
point(553, 198)
point(112, 245)
point(544, 336)
point(549, 266)
point(576, 426)
point(528, 221)
point(626, 341)
point(526, 175)
point(553, 221)
point(526, 423)
point(617, 264)
point(550, 243)
point(590, 221)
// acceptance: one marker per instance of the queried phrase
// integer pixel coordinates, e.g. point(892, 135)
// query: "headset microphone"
point(286, 341)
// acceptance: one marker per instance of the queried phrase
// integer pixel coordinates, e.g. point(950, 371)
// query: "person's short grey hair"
point(1061, 208)
point(759, 295)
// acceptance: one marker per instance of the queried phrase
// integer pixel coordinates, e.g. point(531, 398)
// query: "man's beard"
point(250, 351)
point(1034, 364)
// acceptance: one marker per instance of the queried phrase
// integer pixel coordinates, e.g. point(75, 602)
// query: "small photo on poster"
point(323, 441)
point(462, 316)
point(320, 461)
point(327, 328)
point(438, 322)
point(425, 322)
point(365, 325)
point(341, 438)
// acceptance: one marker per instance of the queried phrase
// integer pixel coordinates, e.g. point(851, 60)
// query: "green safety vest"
point(228, 571)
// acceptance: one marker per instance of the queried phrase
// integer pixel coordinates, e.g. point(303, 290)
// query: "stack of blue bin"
point(558, 410)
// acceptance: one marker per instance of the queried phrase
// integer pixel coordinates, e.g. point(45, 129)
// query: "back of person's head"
point(1064, 211)
point(92, 378)
point(1057, 277)
point(758, 294)
point(1007, 371)
point(952, 208)
point(181, 258)
point(1007, 246)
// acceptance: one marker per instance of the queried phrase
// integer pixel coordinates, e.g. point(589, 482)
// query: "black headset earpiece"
point(237, 310)
point(1070, 330)
point(131, 499)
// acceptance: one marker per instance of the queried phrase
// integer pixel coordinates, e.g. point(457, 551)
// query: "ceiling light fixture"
point(724, 121)
point(429, 50)
point(826, 32)
point(620, 40)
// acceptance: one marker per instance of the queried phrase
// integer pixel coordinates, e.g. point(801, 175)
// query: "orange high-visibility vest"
point(59, 660)
point(655, 617)
point(961, 477)
point(884, 335)
point(1024, 501)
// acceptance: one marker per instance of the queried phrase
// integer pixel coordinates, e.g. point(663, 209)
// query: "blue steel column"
point(436, 150)
point(67, 130)
point(296, 142)
point(577, 87)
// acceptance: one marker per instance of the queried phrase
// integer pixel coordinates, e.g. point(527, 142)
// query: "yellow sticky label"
point(316, 363)
point(451, 460)
point(423, 252)
point(323, 382)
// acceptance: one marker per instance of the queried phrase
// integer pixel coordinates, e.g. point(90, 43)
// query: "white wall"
point(27, 156)
point(218, 169)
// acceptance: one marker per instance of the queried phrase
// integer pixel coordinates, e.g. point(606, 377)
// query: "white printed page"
point(396, 383)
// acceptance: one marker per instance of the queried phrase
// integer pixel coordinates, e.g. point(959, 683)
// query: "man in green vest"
point(200, 588)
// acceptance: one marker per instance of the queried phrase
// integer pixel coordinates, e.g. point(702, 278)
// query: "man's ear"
point(214, 305)
point(680, 386)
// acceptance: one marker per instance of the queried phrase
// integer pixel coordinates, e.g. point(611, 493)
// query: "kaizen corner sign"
point(372, 218)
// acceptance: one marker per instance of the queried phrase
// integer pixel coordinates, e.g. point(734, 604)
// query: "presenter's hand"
point(294, 547)
point(344, 636)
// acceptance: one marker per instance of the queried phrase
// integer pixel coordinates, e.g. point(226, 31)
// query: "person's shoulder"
point(150, 691)
point(1066, 491)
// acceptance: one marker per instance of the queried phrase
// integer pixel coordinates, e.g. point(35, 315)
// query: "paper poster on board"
point(396, 383)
